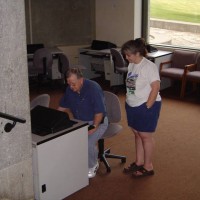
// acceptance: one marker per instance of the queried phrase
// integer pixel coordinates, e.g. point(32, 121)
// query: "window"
point(174, 23)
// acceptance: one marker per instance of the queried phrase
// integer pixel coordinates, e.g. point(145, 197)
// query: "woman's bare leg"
point(139, 160)
point(148, 146)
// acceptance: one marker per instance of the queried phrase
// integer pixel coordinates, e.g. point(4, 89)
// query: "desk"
point(60, 162)
point(99, 60)
point(103, 57)
point(158, 57)
point(53, 72)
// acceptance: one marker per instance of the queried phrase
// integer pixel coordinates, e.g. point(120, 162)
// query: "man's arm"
point(61, 109)
point(66, 110)
point(97, 120)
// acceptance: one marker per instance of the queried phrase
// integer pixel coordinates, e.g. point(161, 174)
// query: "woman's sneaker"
point(92, 171)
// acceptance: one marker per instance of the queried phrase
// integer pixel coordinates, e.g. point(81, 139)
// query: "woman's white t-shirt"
point(139, 78)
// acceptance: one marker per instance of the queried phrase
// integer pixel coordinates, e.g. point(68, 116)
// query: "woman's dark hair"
point(75, 71)
point(135, 46)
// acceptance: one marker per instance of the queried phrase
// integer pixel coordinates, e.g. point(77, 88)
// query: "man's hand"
point(91, 129)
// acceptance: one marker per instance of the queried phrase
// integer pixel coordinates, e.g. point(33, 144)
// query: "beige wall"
point(117, 21)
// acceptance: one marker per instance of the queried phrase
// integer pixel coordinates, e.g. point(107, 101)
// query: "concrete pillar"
point(16, 180)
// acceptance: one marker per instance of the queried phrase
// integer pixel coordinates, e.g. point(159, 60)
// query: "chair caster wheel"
point(108, 170)
point(123, 160)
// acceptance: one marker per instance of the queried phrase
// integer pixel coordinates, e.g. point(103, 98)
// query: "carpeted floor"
point(176, 156)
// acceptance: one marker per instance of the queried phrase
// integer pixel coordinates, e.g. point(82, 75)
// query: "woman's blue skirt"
point(143, 119)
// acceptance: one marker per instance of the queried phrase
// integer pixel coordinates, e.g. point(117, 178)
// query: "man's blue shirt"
point(85, 105)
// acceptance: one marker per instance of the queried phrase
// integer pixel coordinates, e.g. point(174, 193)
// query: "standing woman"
point(143, 104)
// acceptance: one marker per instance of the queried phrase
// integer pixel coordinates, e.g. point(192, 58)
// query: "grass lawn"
point(179, 10)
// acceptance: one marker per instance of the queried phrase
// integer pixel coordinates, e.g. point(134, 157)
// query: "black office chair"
point(31, 49)
point(42, 62)
point(120, 65)
point(63, 66)
point(114, 116)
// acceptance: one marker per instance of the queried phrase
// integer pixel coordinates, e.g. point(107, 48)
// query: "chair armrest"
point(188, 68)
point(164, 63)
point(191, 67)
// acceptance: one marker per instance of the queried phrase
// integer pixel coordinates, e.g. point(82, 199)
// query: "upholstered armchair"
point(192, 74)
point(176, 66)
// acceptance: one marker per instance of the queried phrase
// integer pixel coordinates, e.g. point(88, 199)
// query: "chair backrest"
point(32, 48)
point(113, 107)
point(42, 60)
point(42, 100)
point(198, 62)
point(63, 63)
point(181, 58)
point(118, 59)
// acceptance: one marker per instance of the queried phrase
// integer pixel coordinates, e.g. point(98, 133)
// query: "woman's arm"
point(155, 87)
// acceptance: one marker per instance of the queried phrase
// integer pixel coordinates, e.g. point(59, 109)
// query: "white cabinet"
point(54, 73)
point(110, 75)
point(89, 73)
point(72, 52)
point(60, 163)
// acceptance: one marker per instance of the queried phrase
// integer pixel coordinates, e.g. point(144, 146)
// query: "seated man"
point(84, 100)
